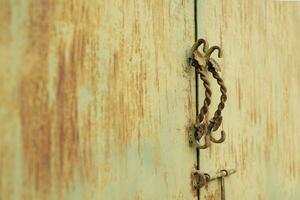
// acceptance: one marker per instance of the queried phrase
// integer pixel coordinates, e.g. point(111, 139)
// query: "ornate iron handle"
point(216, 121)
point(201, 62)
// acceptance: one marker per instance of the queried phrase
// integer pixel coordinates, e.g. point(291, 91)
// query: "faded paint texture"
point(261, 69)
point(95, 99)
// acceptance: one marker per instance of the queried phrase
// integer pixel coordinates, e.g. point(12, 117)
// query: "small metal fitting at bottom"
point(201, 179)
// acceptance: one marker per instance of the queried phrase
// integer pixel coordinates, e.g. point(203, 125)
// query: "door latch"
point(202, 179)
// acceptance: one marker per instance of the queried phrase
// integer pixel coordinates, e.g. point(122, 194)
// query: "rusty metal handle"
point(200, 127)
point(216, 121)
point(202, 61)
point(207, 99)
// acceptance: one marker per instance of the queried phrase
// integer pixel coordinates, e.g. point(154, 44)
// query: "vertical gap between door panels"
point(196, 92)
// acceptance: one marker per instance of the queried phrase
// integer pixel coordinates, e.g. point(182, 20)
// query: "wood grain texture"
point(96, 98)
point(260, 66)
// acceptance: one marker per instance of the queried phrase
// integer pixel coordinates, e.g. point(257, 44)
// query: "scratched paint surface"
point(95, 99)
point(260, 66)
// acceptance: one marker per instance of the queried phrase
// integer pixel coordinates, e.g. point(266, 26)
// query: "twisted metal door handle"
point(216, 121)
point(202, 62)
point(200, 127)
point(199, 66)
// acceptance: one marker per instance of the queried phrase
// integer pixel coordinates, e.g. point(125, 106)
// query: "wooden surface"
point(261, 69)
point(95, 100)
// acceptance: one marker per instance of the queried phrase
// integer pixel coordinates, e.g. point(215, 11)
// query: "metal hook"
point(213, 126)
point(197, 133)
point(196, 45)
point(216, 121)
point(206, 142)
point(206, 50)
point(211, 50)
point(222, 138)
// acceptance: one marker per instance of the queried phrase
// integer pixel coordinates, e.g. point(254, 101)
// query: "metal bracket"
point(202, 179)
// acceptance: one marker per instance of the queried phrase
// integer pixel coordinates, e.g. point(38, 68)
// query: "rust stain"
point(270, 128)
point(292, 169)
point(265, 133)
point(5, 18)
point(192, 179)
point(34, 111)
point(180, 196)
point(5, 40)
point(267, 152)
point(190, 106)
point(138, 197)
point(66, 48)
point(66, 114)
point(210, 197)
point(36, 132)
point(51, 134)
point(239, 94)
point(253, 112)
point(128, 95)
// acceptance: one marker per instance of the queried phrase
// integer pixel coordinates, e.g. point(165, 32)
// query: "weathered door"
point(260, 65)
point(96, 97)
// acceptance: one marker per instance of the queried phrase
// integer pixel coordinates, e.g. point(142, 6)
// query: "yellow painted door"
point(96, 98)
point(260, 66)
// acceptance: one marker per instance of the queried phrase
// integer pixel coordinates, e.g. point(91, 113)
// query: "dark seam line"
point(196, 88)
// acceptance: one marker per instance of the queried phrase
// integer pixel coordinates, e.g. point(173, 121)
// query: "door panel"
point(261, 70)
point(96, 98)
